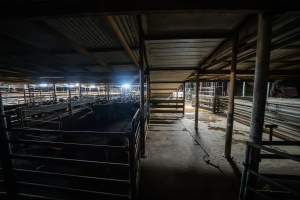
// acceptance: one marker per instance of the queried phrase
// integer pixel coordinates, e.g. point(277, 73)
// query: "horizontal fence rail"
point(252, 181)
point(47, 168)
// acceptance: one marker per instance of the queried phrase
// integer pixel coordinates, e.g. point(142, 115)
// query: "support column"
point(259, 92)
point(142, 100)
point(230, 112)
point(70, 100)
point(148, 97)
point(5, 151)
point(80, 90)
point(244, 88)
point(183, 88)
point(197, 101)
point(107, 91)
point(24, 94)
point(54, 93)
point(268, 89)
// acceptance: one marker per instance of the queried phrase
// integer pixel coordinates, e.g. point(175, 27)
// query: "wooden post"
point(25, 100)
point(244, 88)
point(259, 93)
point(230, 113)
point(80, 90)
point(142, 101)
point(268, 89)
point(108, 91)
point(183, 88)
point(197, 101)
point(148, 97)
point(54, 93)
point(70, 100)
point(5, 151)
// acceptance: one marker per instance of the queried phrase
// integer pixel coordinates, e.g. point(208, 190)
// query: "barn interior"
point(149, 100)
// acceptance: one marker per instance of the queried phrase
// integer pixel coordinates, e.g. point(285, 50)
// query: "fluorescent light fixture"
point(43, 84)
point(126, 86)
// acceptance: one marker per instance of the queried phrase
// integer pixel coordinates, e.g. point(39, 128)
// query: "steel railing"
point(252, 180)
point(27, 186)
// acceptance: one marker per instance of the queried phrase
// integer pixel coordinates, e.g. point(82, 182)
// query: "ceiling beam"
point(250, 72)
point(173, 68)
point(188, 36)
point(166, 82)
point(122, 39)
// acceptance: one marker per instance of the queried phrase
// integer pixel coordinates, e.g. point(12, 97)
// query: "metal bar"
point(80, 90)
point(166, 111)
point(259, 91)
point(6, 162)
point(148, 96)
point(173, 68)
point(283, 154)
point(54, 93)
point(72, 189)
point(232, 85)
point(244, 89)
point(69, 101)
point(46, 131)
point(64, 175)
point(74, 161)
point(166, 101)
point(183, 88)
point(163, 88)
point(274, 156)
point(292, 143)
point(166, 82)
point(62, 144)
point(197, 102)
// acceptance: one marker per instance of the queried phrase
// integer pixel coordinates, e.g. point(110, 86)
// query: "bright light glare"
point(43, 85)
point(125, 86)
point(92, 86)
point(77, 84)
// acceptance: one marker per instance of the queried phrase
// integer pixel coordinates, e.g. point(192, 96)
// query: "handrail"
point(49, 131)
point(247, 185)
point(280, 153)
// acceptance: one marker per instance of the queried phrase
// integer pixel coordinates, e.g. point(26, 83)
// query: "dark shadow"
point(235, 168)
point(161, 182)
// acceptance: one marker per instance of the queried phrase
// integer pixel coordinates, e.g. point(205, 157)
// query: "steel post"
point(259, 92)
point(230, 113)
point(183, 88)
point(148, 97)
point(80, 90)
point(69, 100)
point(244, 88)
point(197, 101)
point(54, 93)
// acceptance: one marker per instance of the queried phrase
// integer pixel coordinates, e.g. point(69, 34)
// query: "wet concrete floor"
point(181, 163)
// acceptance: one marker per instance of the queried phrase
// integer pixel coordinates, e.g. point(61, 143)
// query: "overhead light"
point(43, 84)
point(126, 86)
point(92, 86)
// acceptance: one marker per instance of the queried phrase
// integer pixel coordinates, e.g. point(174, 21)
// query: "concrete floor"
point(183, 164)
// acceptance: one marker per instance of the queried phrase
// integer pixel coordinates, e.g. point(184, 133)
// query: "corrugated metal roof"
point(88, 31)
